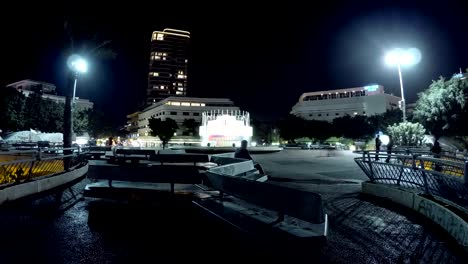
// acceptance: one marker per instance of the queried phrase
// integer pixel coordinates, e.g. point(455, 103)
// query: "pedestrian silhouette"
point(436, 150)
point(389, 148)
point(378, 143)
point(242, 152)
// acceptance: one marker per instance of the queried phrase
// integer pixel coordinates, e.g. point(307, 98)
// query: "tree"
point(356, 127)
point(292, 127)
point(264, 132)
point(442, 108)
point(407, 133)
point(81, 120)
point(190, 126)
point(320, 130)
point(163, 129)
point(383, 121)
point(12, 109)
point(98, 125)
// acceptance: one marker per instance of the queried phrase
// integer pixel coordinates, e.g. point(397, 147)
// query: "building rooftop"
point(170, 31)
point(172, 99)
point(30, 81)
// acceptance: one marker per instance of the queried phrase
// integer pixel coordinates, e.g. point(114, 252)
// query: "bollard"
point(465, 174)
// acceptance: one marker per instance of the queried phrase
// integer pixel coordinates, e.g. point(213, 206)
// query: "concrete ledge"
point(40, 184)
point(442, 216)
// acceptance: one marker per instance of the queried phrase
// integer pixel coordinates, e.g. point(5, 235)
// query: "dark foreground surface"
point(62, 227)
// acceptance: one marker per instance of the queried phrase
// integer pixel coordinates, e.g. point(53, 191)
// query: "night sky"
point(262, 56)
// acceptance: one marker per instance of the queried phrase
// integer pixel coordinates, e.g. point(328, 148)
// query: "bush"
point(407, 134)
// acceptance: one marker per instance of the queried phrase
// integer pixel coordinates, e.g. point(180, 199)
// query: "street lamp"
point(77, 66)
point(403, 57)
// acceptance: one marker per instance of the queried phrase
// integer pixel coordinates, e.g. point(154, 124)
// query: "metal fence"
point(435, 176)
point(20, 166)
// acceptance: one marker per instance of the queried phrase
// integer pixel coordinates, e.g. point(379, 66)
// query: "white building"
point(328, 105)
point(48, 91)
point(80, 104)
point(181, 108)
point(27, 86)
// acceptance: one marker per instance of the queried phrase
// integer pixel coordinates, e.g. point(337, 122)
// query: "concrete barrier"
point(456, 226)
point(40, 184)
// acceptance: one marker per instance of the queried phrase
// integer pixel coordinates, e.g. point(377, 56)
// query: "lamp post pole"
point(77, 65)
point(68, 118)
point(403, 103)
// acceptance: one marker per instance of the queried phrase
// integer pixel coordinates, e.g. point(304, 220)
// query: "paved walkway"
point(362, 229)
point(62, 227)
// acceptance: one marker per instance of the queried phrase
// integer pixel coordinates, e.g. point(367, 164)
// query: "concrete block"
point(436, 212)
point(40, 184)
point(445, 218)
point(234, 169)
point(395, 194)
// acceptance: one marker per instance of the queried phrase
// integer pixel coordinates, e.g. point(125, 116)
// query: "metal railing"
point(20, 166)
point(435, 176)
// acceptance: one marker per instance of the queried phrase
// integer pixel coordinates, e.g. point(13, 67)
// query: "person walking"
point(436, 150)
point(378, 143)
point(389, 148)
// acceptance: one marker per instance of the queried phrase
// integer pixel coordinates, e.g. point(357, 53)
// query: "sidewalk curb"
point(40, 184)
point(437, 213)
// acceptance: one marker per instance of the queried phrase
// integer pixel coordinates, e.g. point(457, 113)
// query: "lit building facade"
point(132, 125)
point(168, 65)
point(225, 128)
point(328, 105)
point(180, 109)
point(29, 86)
point(48, 91)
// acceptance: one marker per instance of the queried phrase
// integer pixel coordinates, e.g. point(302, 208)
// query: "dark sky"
point(263, 56)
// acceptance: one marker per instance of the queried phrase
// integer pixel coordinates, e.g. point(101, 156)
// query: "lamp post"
point(401, 57)
point(77, 65)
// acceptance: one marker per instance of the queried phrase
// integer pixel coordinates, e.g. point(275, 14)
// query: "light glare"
point(408, 57)
point(77, 64)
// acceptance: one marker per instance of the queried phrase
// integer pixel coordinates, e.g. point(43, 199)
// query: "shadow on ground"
point(367, 229)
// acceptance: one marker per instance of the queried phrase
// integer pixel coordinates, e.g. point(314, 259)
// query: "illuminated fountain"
point(225, 128)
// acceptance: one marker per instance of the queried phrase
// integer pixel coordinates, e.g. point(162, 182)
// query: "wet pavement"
point(63, 227)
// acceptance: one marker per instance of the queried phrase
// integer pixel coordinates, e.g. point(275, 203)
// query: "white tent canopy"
point(33, 136)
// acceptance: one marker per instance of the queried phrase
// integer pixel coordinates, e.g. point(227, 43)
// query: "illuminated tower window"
point(169, 57)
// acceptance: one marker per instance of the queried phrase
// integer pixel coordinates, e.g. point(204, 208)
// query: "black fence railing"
point(441, 177)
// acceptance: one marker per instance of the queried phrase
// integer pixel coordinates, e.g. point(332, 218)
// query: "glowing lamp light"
point(403, 57)
point(384, 139)
point(407, 57)
point(77, 64)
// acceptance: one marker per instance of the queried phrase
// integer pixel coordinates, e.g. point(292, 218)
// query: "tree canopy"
point(163, 129)
point(18, 112)
point(352, 127)
point(442, 108)
point(356, 127)
point(407, 133)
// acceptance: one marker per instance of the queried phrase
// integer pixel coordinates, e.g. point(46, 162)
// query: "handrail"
point(38, 164)
point(434, 176)
point(410, 152)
